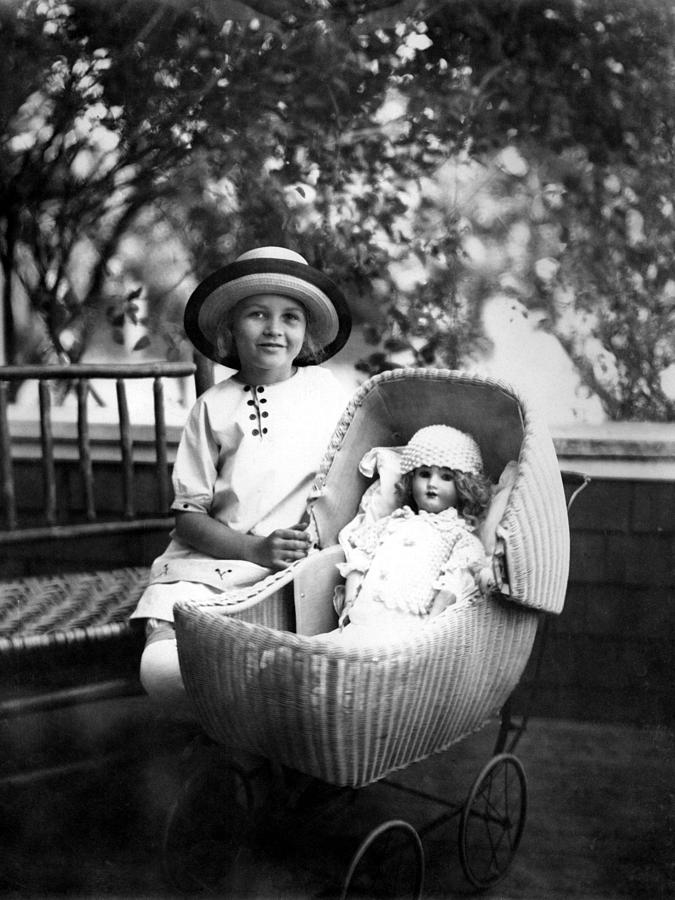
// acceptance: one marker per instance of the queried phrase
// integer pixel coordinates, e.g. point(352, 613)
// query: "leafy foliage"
point(427, 155)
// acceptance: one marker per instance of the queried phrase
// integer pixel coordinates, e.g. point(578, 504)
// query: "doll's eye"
point(447, 475)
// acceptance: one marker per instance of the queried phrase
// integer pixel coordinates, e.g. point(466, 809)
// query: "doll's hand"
point(284, 546)
point(486, 581)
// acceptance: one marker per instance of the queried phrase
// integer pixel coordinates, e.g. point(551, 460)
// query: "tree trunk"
point(8, 324)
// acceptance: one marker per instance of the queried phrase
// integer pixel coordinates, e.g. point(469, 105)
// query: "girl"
point(251, 444)
point(413, 563)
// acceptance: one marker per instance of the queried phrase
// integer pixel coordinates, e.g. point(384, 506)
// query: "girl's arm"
point(208, 535)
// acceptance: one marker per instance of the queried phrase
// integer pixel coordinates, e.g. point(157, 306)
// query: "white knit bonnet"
point(442, 445)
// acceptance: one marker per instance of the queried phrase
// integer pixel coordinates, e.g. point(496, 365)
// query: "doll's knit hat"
point(442, 445)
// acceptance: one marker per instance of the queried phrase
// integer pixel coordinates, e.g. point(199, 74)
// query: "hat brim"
point(215, 297)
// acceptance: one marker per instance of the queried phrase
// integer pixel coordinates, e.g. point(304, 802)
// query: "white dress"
point(407, 558)
point(247, 457)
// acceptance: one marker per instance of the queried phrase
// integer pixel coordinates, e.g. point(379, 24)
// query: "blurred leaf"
point(394, 345)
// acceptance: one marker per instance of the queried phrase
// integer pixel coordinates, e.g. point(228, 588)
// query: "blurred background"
point(490, 181)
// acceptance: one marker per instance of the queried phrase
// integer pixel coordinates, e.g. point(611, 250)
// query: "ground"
point(600, 823)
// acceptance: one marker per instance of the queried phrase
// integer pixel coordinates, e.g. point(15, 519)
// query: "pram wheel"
point(206, 828)
point(388, 863)
point(492, 821)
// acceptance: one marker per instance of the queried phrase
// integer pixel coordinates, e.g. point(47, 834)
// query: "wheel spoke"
point(492, 821)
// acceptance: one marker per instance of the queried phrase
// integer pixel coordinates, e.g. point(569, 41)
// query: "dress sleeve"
point(360, 540)
point(195, 468)
point(457, 579)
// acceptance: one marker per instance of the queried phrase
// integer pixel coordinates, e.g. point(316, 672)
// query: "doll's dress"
point(406, 559)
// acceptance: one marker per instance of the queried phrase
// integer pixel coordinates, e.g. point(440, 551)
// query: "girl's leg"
point(160, 671)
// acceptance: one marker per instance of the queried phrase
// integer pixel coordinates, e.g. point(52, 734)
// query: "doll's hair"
point(474, 493)
point(227, 346)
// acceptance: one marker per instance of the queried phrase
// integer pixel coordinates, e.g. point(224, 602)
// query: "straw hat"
point(268, 270)
point(442, 445)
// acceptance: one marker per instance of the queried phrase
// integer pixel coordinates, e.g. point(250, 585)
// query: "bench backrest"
point(63, 501)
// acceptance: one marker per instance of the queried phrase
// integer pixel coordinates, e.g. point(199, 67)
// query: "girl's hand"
point(284, 546)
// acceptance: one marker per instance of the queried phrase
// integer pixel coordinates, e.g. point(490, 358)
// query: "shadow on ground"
point(85, 795)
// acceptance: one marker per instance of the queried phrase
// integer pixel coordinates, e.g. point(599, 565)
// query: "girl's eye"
point(447, 476)
point(423, 473)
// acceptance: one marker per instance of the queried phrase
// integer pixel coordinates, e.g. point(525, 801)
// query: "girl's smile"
point(269, 331)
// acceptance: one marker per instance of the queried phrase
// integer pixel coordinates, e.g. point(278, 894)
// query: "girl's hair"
point(474, 493)
point(227, 347)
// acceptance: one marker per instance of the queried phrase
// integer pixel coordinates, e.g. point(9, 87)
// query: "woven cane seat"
point(58, 610)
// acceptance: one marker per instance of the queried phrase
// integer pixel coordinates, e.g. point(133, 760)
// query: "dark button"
point(252, 416)
point(264, 431)
point(255, 432)
point(250, 402)
point(265, 415)
point(260, 390)
point(247, 387)
point(263, 399)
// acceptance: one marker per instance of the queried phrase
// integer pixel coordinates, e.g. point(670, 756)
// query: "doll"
point(408, 566)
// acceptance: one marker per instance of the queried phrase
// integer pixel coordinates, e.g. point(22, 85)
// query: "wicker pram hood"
point(391, 407)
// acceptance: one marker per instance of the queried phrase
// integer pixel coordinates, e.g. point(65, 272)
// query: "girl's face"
point(268, 332)
point(433, 488)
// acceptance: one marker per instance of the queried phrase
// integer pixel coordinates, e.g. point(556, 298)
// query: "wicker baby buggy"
point(264, 680)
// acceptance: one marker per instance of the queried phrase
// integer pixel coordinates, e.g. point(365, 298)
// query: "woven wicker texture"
point(350, 716)
point(44, 611)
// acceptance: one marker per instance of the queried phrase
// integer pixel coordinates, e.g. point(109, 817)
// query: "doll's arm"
point(353, 571)
point(352, 584)
point(463, 576)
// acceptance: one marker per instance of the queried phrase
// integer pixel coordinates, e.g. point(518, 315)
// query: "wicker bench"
point(85, 508)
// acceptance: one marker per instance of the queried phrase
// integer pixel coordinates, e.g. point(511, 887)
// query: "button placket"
point(257, 414)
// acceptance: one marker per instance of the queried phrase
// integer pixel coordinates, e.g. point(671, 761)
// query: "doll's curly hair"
point(474, 493)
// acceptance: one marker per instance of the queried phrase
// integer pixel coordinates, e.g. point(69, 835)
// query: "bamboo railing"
point(54, 523)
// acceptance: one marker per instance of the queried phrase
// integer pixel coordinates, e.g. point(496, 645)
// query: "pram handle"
point(571, 478)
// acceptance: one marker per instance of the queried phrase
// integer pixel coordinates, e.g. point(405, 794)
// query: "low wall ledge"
point(621, 450)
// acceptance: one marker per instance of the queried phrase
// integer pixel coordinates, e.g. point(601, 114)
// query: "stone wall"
point(609, 655)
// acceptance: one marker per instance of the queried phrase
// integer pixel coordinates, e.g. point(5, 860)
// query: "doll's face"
point(433, 488)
